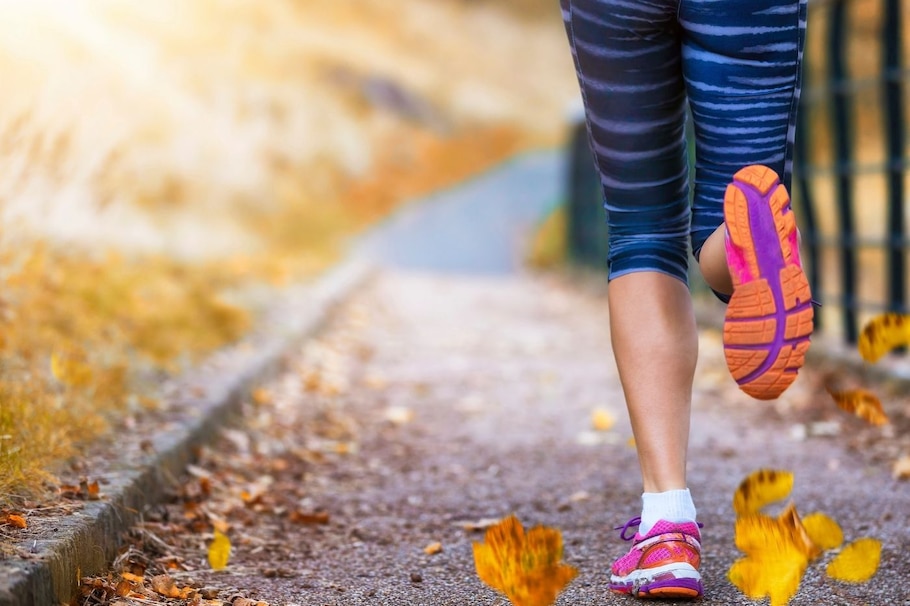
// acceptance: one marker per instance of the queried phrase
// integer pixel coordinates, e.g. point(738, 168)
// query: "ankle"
point(672, 506)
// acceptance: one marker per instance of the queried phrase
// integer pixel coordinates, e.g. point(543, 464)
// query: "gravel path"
point(437, 400)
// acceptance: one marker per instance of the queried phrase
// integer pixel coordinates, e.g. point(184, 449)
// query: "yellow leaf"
point(761, 488)
point(602, 420)
point(219, 551)
point(758, 534)
point(882, 334)
point(526, 567)
point(858, 561)
point(70, 368)
point(776, 557)
point(862, 403)
point(825, 532)
point(791, 523)
point(775, 578)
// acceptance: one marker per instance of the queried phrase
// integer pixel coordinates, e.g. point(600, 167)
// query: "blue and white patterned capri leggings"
point(639, 62)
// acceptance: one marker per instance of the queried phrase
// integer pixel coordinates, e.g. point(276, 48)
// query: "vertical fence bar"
point(894, 141)
point(837, 75)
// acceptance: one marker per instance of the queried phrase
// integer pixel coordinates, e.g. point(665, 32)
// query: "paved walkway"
point(464, 398)
point(466, 390)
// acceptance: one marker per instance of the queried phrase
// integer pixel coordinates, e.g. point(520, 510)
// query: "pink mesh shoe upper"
point(666, 543)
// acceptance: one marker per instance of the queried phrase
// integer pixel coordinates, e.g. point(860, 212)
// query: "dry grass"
point(156, 157)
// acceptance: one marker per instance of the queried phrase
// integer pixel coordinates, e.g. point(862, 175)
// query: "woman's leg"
point(741, 61)
point(627, 57)
point(655, 343)
point(628, 63)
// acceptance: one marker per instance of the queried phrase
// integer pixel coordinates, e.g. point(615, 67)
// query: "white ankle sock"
point(672, 506)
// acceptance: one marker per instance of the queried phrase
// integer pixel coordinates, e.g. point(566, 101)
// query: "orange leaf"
point(526, 567)
point(862, 403)
point(433, 548)
point(261, 396)
point(124, 588)
point(882, 334)
point(91, 489)
point(164, 585)
point(15, 520)
point(309, 518)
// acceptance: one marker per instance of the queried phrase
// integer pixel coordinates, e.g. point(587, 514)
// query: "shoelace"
point(635, 523)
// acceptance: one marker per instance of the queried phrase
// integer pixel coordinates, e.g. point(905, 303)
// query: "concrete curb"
point(87, 541)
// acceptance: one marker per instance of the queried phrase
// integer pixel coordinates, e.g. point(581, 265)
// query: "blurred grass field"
point(158, 158)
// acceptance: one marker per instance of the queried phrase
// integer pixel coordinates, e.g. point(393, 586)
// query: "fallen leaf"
point(862, 403)
point(825, 532)
point(882, 334)
point(761, 488)
point(124, 588)
point(775, 558)
point(91, 490)
point(526, 567)
point(901, 469)
point(789, 519)
point(15, 520)
point(219, 551)
point(433, 548)
point(399, 415)
point(163, 584)
point(581, 495)
point(857, 562)
point(776, 578)
point(134, 578)
point(300, 517)
point(602, 420)
point(261, 396)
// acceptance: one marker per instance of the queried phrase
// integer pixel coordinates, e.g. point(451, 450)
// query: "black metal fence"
point(850, 184)
point(852, 174)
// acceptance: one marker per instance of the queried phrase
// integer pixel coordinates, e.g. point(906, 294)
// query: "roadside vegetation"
point(158, 160)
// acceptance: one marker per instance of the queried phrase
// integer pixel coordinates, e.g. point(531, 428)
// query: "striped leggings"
point(735, 63)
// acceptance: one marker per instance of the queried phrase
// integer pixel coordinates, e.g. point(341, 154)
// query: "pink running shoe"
point(661, 564)
point(769, 317)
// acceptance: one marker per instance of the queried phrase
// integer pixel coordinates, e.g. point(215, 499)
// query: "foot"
point(661, 564)
point(769, 317)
